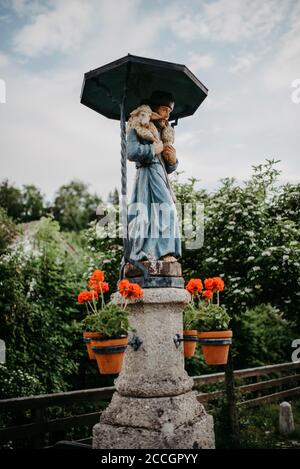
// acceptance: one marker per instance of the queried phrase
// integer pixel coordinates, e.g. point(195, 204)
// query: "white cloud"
point(284, 66)
point(4, 18)
point(61, 29)
point(4, 59)
point(232, 20)
point(216, 101)
point(48, 137)
point(196, 62)
point(25, 8)
point(243, 63)
point(92, 30)
point(19, 5)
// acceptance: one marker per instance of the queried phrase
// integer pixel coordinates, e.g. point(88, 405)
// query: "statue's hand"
point(158, 146)
point(169, 154)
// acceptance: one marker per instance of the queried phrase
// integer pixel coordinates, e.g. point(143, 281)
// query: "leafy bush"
point(252, 247)
point(262, 336)
point(18, 383)
point(212, 317)
point(104, 251)
point(8, 230)
point(38, 310)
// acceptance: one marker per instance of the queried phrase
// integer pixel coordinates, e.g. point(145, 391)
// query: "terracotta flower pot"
point(190, 341)
point(110, 355)
point(87, 338)
point(215, 346)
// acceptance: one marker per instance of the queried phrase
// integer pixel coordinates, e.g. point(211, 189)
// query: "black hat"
point(160, 98)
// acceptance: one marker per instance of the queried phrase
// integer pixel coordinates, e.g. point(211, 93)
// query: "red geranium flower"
point(85, 296)
point(209, 283)
point(130, 290)
point(98, 286)
point(98, 275)
point(194, 286)
point(207, 294)
point(123, 287)
point(218, 284)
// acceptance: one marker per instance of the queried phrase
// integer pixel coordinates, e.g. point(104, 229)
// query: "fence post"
point(38, 416)
point(233, 413)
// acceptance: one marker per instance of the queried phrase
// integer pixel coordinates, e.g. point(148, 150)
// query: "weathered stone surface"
point(158, 296)
point(154, 385)
point(195, 435)
point(154, 406)
point(159, 268)
point(152, 413)
point(286, 419)
point(157, 367)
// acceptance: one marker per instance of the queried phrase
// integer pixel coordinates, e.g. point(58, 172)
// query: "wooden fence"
point(33, 409)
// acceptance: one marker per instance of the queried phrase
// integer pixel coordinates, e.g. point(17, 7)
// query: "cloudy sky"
point(247, 52)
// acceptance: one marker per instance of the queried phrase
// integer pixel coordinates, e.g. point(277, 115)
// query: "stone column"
point(154, 405)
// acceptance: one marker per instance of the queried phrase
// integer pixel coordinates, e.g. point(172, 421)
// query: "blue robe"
point(152, 216)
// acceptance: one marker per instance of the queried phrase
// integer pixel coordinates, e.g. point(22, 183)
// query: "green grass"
point(259, 427)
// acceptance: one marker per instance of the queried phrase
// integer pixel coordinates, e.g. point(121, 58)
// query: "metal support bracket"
point(135, 342)
point(177, 339)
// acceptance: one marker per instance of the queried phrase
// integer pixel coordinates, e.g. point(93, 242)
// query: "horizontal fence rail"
point(246, 373)
point(57, 399)
point(40, 425)
point(248, 388)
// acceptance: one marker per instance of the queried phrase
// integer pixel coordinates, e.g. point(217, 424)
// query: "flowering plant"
point(189, 317)
point(109, 319)
point(206, 315)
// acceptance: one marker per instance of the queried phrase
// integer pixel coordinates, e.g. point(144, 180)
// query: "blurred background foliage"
point(48, 250)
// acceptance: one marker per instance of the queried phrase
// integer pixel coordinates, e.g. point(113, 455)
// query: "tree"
point(247, 242)
point(33, 203)
point(8, 230)
point(11, 200)
point(74, 207)
point(22, 205)
point(113, 197)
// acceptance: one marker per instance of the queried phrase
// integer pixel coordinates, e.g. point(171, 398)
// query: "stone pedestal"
point(154, 405)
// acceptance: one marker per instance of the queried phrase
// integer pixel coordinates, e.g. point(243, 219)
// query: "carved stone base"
point(195, 435)
point(168, 422)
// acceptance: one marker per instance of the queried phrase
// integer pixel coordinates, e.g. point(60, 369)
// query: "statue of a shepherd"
point(152, 217)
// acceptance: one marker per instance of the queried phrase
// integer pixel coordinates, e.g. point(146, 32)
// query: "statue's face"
point(164, 112)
